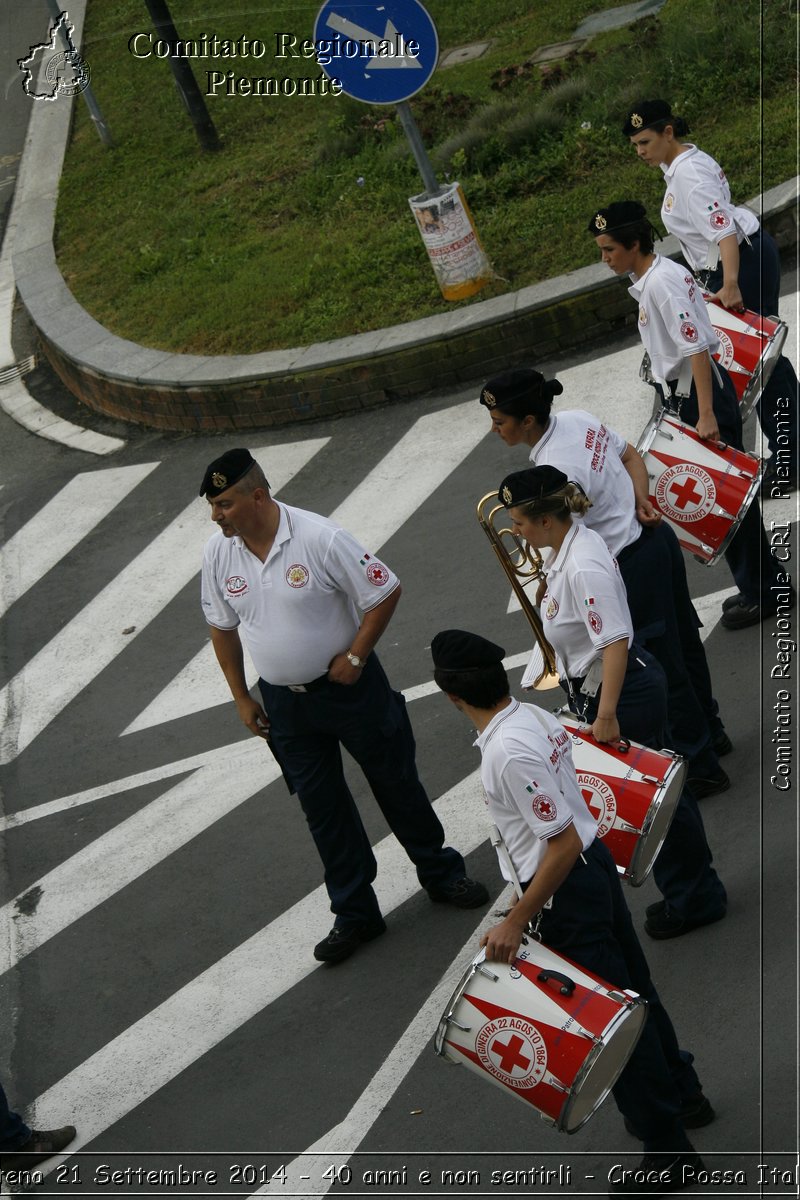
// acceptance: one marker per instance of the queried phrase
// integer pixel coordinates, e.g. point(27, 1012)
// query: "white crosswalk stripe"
point(159, 1043)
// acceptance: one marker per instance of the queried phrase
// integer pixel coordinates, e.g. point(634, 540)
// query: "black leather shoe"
point(658, 1175)
point(464, 893)
point(742, 614)
point(667, 924)
point(341, 943)
point(709, 785)
point(696, 1111)
point(42, 1144)
point(729, 601)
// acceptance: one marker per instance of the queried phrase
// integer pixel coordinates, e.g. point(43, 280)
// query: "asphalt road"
point(161, 894)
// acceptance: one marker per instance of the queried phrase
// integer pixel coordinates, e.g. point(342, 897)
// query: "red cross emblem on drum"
point(600, 799)
point(513, 1050)
point(685, 493)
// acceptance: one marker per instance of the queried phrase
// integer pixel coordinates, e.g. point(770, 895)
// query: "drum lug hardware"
point(452, 1021)
point(484, 970)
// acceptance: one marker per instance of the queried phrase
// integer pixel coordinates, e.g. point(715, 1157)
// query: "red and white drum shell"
point(632, 790)
point(749, 348)
point(702, 488)
point(543, 1029)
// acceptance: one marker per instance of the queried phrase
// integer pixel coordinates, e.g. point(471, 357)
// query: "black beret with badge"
point(225, 471)
point(513, 389)
point(616, 216)
point(457, 650)
point(530, 485)
point(645, 114)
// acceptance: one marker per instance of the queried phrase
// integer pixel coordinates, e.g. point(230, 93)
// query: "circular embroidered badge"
point(688, 331)
point(686, 493)
point(544, 808)
point(297, 575)
point(719, 220)
point(726, 351)
point(552, 608)
point(643, 318)
point(669, 200)
point(513, 1051)
point(235, 585)
point(595, 620)
point(377, 574)
point(600, 799)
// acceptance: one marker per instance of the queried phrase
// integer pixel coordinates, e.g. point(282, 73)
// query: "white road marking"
point(87, 879)
point(385, 499)
point(75, 656)
point(147, 1055)
point(304, 1173)
point(73, 512)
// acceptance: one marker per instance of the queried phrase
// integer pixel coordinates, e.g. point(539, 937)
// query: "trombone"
point(520, 563)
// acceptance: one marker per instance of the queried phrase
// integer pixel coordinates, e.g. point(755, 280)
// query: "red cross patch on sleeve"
point(544, 808)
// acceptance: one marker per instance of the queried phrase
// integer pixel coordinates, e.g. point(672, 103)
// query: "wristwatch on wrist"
point(353, 659)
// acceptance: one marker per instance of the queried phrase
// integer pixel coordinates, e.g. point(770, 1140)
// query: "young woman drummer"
point(678, 336)
point(613, 476)
point(612, 683)
point(726, 248)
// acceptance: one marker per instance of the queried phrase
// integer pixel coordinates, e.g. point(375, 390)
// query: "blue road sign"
point(381, 53)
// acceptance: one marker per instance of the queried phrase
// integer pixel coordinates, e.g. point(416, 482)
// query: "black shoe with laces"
point(42, 1144)
point(702, 786)
point(463, 893)
point(341, 943)
point(657, 1175)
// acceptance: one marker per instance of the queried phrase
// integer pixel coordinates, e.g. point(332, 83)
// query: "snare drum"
point(749, 348)
point(632, 790)
point(544, 1029)
point(702, 488)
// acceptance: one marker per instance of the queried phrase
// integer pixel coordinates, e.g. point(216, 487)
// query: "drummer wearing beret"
point(311, 603)
point(571, 892)
point(678, 336)
point(731, 254)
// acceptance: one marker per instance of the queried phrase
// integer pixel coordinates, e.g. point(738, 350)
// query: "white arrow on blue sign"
point(380, 53)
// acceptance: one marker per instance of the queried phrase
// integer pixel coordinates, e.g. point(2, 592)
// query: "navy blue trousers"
point(654, 575)
point(13, 1130)
point(682, 870)
point(760, 283)
point(748, 555)
point(370, 720)
point(589, 922)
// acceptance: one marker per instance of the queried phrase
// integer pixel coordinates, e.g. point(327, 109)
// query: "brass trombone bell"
point(521, 565)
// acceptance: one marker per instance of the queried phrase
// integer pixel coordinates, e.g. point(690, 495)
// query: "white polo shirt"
point(697, 207)
point(673, 319)
point(585, 607)
point(531, 788)
point(298, 609)
point(590, 455)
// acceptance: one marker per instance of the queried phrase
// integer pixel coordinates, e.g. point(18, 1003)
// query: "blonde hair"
point(561, 504)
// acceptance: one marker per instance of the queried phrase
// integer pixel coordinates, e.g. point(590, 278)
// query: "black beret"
point(645, 114)
point(225, 471)
point(457, 650)
point(616, 216)
point(514, 388)
point(523, 487)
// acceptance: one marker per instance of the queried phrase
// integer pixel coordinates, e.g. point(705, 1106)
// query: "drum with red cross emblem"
point(631, 790)
point(749, 348)
point(702, 488)
point(545, 1030)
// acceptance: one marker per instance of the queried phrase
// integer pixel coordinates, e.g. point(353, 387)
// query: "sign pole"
point(417, 148)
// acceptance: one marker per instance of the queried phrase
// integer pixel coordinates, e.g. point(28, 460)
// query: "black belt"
point(313, 686)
